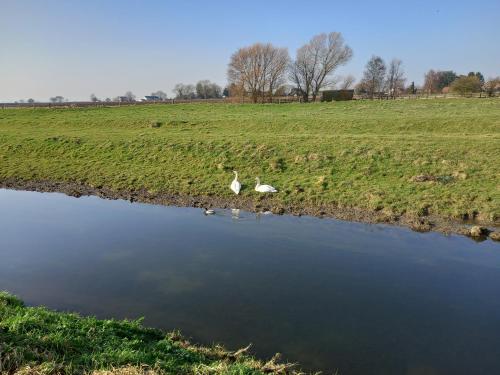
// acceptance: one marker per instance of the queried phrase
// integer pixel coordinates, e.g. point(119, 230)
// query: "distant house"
point(151, 98)
point(124, 99)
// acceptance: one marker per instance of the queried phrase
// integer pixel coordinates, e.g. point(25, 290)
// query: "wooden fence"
point(428, 96)
point(235, 100)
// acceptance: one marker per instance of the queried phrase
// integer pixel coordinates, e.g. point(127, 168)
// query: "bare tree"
point(285, 90)
point(316, 61)
point(130, 96)
point(162, 95)
point(373, 76)
point(57, 99)
point(300, 73)
point(189, 92)
point(203, 89)
point(258, 69)
point(31, 100)
point(208, 90)
point(183, 91)
point(492, 86)
point(234, 90)
point(245, 70)
point(278, 60)
point(347, 82)
point(395, 78)
point(431, 81)
point(94, 98)
point(215, 91)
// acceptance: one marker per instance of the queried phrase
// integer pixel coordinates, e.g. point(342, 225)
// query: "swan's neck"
point(235, 176)
point(258, 181)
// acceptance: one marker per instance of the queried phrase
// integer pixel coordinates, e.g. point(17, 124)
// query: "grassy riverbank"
point(35, 340)
point(413, 157)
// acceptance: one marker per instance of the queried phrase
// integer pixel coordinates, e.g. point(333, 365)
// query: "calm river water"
point(363, 299)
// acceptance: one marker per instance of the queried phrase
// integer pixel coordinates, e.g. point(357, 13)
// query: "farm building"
point(337, 95)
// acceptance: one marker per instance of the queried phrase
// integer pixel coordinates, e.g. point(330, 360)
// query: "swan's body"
point(236, 185)
point(264, 188)
point(209, 211)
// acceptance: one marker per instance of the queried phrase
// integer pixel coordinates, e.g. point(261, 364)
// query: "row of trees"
point(30, 100)
point(436, 81)
point(128, 97)
point(202, 90)
point(261, 70)
point(382, 81)
point(448, 80)
point(57, 99)
point(378, 79)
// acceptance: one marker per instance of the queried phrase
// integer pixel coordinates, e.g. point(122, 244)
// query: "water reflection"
point(235, 213)
point(365, 299)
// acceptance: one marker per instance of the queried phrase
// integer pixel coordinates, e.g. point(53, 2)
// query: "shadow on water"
point(366, 299)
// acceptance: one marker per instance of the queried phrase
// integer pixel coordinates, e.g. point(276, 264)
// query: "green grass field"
point(349, 154)
point(36, 341)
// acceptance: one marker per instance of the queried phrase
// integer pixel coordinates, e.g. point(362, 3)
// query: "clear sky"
point(75, 48)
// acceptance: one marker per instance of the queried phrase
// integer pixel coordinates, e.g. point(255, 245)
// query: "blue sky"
point(75, 48)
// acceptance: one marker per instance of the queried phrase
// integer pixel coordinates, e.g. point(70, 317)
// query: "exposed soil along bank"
point(386, 158)
point(477, 230)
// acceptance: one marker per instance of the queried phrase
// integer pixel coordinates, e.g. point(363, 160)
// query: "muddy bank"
point(476, 230)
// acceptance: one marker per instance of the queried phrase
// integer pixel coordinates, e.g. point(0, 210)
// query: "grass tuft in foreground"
point(35, 340)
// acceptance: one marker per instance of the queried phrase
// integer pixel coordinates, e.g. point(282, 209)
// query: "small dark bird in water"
point(208, 211)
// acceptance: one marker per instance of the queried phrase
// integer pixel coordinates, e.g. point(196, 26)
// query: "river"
point(360, 298)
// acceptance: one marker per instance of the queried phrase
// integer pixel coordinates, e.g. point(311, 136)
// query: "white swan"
point(236, 185)
point(264, 188)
